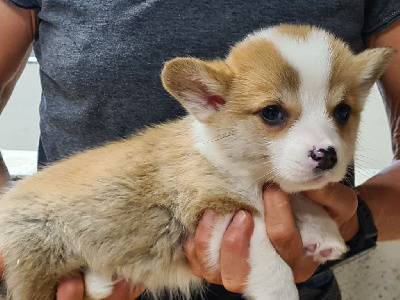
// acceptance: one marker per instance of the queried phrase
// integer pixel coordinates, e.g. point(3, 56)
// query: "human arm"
point(16, 36)
point(17, 32)
point(382, 192)
point(18, 28)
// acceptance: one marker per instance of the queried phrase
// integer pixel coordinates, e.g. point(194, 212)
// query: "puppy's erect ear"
point(200, 86)
point(373, 63)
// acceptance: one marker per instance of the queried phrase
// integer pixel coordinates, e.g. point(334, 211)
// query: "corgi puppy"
point(283, 107)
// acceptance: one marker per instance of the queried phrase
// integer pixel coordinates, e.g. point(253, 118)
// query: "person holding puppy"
point(100, 66)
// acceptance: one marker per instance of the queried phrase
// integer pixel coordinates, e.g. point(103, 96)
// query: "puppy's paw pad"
point(310, 249)
point(325, 251)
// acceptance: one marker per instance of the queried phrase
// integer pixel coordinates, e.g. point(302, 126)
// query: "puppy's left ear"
point(200, 86)
point(373, 63)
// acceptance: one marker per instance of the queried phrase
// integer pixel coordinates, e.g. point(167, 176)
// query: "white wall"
point(19, 122)
point(374, 145)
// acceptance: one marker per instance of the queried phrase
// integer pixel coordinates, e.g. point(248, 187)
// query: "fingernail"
point(208, 218)
point(239, 218)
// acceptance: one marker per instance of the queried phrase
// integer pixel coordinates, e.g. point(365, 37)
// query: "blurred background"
point(374, 276)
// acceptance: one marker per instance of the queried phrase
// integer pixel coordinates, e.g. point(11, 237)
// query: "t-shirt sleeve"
point(27, 4)
point(380, 14)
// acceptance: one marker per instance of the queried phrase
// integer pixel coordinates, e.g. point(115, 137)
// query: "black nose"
point(326, 158)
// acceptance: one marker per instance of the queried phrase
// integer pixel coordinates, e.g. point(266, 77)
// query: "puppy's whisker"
point(218, 137)
point(262, 176)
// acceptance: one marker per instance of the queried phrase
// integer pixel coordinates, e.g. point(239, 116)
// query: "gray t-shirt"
point(100, 60)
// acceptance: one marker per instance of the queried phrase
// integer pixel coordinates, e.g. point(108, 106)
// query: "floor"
point(374, 276)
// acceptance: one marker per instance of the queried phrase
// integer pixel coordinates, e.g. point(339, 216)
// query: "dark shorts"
point(318, 287)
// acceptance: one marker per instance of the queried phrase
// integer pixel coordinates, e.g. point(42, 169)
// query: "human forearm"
point(382, 194)
point(6, 88)
point(390, 91)
point(18, 29)
point(389, 83)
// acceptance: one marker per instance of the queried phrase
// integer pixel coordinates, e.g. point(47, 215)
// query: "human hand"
point(73, 289)
point(234, 251)
point(4, 175)
point(339, 200)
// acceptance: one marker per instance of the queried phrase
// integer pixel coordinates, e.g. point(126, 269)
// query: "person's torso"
point(101, 60)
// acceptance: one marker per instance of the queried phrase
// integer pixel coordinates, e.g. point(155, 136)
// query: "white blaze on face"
point(311, 58)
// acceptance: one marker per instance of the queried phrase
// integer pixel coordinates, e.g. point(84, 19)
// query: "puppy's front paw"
point(319, 232)
point(323, 247)
point(322, 239)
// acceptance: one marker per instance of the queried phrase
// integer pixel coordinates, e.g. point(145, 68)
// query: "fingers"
point(282, 231)
point(280, 223)
point(338, 198)
point(234, 251)
point(197, 249)
point(137, 290)
point(71, 289)
point(123, 291)
point(341, 203)
point(190, 251)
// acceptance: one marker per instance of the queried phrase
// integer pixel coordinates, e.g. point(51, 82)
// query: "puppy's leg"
point(34, 279)
point(270, 277)
point(35, 258)
point(20, 287)
point(320, 233)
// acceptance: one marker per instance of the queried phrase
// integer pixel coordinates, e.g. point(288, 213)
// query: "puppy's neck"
point(211, 143)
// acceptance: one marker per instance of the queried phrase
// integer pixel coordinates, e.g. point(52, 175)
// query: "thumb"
point(284, 236)
point(279, 220)
point(71, 289)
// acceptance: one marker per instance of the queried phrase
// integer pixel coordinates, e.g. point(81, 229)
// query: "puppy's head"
point(284, 106)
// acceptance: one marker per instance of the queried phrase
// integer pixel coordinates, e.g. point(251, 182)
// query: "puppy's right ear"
point(201, 87)
point(373, 63)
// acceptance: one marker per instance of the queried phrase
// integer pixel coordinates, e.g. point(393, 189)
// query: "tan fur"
point(295, 31)
point(126, 208)
point(347, 84)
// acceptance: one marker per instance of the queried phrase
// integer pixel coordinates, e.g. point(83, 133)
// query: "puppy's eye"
point(342, 113)
point(273, 115)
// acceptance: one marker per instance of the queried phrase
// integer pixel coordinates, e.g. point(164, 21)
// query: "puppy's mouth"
point(315, 179)
point(317, 176)
point(319, 173)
